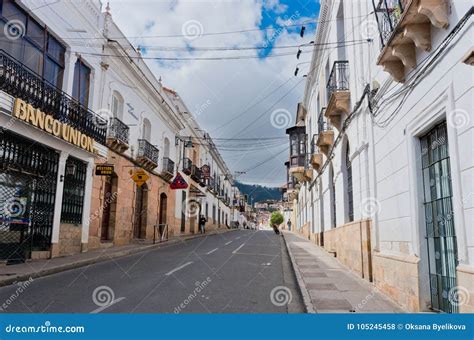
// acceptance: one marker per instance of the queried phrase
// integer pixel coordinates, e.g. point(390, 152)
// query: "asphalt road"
point(242, 271)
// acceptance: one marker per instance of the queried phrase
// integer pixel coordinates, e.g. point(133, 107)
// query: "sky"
point(251, 99)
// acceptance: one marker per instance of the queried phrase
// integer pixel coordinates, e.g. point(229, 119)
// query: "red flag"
point(178, 182)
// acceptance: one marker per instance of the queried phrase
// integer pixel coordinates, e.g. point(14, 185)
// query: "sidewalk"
point(35, 269)
point(329, 287)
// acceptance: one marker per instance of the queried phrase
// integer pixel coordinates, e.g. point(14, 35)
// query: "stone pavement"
point(38, 268)
point(329, 287)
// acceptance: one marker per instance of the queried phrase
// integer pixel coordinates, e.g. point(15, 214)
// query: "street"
point(236, 272)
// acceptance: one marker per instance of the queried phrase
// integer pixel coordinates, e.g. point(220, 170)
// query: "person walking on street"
point(202, 224)
point(289, 224)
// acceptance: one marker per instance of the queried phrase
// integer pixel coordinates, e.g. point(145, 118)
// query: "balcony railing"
point(187, 165)
point(323, 122)
point(168, 165)
point(147, 151)
point(211, 183)
point(19, 81)
point(196, 173)
point(388, 14)
point(339, 78)
point(118, 130)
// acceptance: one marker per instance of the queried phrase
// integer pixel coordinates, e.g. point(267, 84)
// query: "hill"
point(258, 192)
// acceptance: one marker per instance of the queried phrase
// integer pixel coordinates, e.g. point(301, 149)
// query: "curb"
point(100, 258)
point(304, 292)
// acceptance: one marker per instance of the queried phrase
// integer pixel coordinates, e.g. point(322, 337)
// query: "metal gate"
point(440, 233)
point(28, 173)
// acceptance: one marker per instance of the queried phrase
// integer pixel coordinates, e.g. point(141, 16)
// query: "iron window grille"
point(73, 192)
point(187, 166)
point(323, 122)
point(338, 78)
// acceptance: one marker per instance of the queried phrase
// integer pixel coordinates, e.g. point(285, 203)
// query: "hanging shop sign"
point(104, 169)
point(140, 177)
point(178, 182)
point(27, 113)
point(206, 171)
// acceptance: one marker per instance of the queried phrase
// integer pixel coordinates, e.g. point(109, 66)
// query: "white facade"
point(384, 146)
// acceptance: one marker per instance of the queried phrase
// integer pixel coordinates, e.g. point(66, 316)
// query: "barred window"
point(73, 192)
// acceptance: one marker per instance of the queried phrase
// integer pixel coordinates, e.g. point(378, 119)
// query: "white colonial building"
point(382, 148)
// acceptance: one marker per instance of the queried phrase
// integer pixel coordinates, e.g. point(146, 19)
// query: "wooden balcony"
point(339, 98)
point(405, 27)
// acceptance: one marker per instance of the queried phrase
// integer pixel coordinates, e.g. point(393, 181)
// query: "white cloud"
point(217, 90)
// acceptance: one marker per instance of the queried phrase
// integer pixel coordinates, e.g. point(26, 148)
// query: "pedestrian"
point(289, 224)
point(202, 224)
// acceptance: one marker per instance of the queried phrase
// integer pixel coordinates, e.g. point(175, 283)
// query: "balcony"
point(196, 173)
point(210, 184)
point(404, 27)
point(168, 168)
point(339, 97)
point(187, 166)
point(297, 167)
point(20, 82)
point(325, 138)
point(147, 154)
point(117, 135)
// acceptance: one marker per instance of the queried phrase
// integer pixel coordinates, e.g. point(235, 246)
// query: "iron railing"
point(19, 81)
point(339, 78)
point(168, 165)
point(211, 183)
point(187, 166)
point(314, 146)
point(323, 122)
point(148, 151)
point(196, 173)
point(118, 130)
point(387, 14)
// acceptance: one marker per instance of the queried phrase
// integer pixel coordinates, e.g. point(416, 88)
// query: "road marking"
point(235, 251)
point(178, 268)
point(237, 238)
point(210, 252)
point(100, 309)
point(227, 243)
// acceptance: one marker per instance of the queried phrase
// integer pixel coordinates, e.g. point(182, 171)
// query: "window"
point(30, 43)
point(117, 105)
point(332, 195)
point(207, 210)
point(146, 133)
point(81, 83)
point(73, 192)
point(214, 214)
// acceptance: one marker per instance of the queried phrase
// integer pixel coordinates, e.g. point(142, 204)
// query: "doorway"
point(438, 206)
point(141, 205)
point(109, 208)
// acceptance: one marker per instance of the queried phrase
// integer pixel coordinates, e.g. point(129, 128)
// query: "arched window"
point(332, 196)
point(117, 105)
point(166, 151)
point(146, 133)
point(349, 191)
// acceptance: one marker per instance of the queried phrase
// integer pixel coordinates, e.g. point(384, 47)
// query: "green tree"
point(276, 218)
